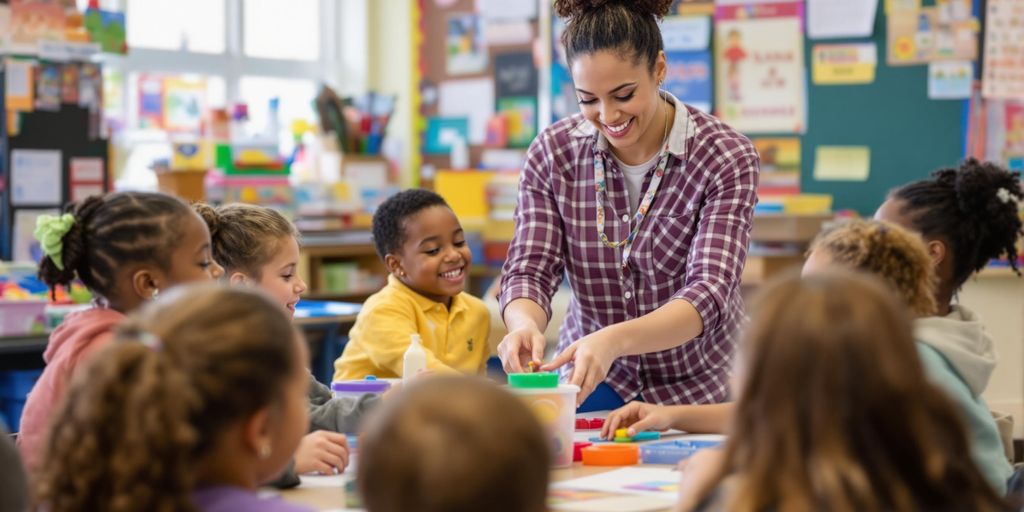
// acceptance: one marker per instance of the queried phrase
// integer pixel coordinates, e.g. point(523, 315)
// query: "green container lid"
point(533, 380)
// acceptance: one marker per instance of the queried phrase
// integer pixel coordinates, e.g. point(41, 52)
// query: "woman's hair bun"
point(569, 9)
point(210, 215)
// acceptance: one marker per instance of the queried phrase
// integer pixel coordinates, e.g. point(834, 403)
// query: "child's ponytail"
point(126, 433)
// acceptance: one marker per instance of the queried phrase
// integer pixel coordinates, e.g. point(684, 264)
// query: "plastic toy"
point(611, 455)
point(671, 452)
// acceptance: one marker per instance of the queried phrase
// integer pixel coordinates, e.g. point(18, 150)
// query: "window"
point(187, 25)
point(267, 37)
point(245, 51)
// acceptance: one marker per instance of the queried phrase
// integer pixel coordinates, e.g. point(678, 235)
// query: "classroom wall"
point(390, 71)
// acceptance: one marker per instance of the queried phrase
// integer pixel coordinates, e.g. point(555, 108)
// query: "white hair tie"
point(1005, 196)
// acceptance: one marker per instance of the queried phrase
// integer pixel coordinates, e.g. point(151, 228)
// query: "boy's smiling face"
point(434, 257)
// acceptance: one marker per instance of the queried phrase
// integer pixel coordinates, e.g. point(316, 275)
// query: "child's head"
point(256, 245)
point(126, 247)
point(205, 386)
point(885, 250)
point(834, 411)
point(422, 243)
point(968, 216)
point(453, 444)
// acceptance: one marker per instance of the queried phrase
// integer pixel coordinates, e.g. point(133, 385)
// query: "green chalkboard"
point(909, 134)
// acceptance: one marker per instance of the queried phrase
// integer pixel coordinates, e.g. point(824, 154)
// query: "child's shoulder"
point(226, 499)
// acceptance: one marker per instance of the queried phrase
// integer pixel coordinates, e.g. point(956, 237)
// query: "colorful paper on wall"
point(18, 85)
point(465, 49)
point(469, 98)
point(520, 118)
point(694, 7)
point(35, 20)
point(442, 132)
point(1004, 50)
point(842, 64)
point(151, 102)
point(48, 90)
point(950, 80)
point(780, 166)
point(919, 36)
point(686, 33)
point(689, 78)
point(842, 163)
point(69, 83)
point(760, 75)
point(184, 103)
point(5, 27)
point(828, 19)
point(36, 177)
point(107, 28)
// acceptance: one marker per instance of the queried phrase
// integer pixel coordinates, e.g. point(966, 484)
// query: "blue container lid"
point(360, 386)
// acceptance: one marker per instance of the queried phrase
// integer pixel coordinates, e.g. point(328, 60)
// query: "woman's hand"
point(637, 416)
point(592, 357)
point(322, 451)
point(520, 347)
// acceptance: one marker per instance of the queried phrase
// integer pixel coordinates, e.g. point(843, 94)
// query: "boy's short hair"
point(389, 219)
point(454, 444)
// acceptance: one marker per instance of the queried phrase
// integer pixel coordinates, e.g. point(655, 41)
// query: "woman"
point(646, 205)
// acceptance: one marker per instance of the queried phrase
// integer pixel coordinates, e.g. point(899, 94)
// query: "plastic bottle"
point(415, 360)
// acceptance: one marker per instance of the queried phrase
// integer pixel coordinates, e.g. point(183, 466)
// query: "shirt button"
point(629, 294)
point(625, 218)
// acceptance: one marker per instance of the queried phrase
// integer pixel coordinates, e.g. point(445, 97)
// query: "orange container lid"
point(611, 455)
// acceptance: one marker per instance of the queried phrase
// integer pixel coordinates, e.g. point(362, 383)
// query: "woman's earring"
point(265, 450)
point(156, 292)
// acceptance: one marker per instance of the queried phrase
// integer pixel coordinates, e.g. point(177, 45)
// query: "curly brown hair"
point(134, 423)
point(245, 236)
point(454, 444)
point(888, 251)
point(629, 27)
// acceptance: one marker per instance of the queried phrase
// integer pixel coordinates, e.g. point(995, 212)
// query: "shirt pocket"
point(664, 248)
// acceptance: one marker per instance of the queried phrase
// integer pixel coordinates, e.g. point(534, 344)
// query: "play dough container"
point(554, 405)
point(357, 388)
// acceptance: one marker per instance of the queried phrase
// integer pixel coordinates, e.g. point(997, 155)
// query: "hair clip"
point(150, 340)
point(1005, 196)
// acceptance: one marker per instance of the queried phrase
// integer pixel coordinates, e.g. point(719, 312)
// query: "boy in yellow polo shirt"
point(424, 249)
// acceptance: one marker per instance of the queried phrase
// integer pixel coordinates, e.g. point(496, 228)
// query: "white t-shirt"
point(634, 175)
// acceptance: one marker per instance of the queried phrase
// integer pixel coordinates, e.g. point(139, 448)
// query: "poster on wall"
point(780, 166)
point(693, 7)
point(184, 103)
point(843, 64)
point(465, 50)
point(515, 74)
point(760, 74)
point(1004, 50)
point(947, 31)
point(33, 21)
point(688, 78)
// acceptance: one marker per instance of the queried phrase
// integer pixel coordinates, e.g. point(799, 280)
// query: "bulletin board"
point(501, 55)
point(65, 140)
point(909, 135)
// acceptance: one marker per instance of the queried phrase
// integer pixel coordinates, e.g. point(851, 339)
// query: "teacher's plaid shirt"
point(692, 246)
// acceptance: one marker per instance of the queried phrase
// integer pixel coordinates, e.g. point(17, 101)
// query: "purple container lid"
point(360, 386)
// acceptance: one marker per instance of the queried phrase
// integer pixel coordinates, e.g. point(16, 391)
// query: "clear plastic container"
point(358, 388)
point(671, 452)
point(554, 406)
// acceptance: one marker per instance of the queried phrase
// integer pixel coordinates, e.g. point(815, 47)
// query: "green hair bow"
point(50, 231)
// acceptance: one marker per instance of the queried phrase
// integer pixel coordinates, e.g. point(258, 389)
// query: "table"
point(332, 320)
point(328, 493)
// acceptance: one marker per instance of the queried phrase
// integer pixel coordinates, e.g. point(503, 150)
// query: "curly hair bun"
point(569, 9)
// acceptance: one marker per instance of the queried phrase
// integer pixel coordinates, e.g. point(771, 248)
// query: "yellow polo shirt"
point(455, 340)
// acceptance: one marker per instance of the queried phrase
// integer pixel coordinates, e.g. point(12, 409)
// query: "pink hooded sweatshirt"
point(70, 344)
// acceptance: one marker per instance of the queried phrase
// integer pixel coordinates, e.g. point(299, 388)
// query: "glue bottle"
point(415, 360)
